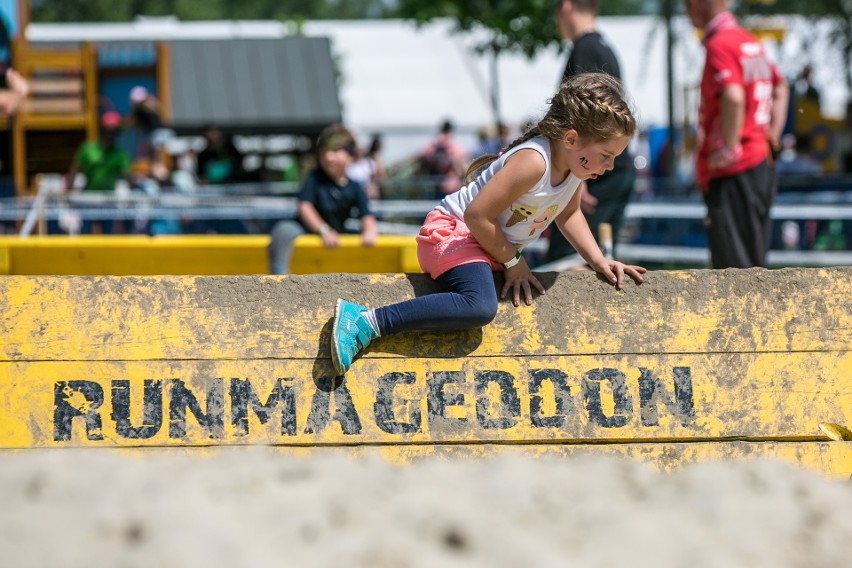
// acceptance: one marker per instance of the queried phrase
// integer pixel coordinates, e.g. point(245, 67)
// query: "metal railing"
point(110, 206)
point(277, 201)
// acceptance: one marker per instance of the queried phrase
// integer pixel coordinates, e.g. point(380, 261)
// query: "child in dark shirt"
point(327, 199)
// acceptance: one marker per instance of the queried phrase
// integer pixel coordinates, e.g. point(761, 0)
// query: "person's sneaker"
point(351, 334)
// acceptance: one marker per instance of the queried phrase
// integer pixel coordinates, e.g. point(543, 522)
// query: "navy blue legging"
point(469, 302)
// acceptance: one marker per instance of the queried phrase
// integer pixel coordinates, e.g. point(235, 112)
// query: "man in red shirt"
point(742, 113)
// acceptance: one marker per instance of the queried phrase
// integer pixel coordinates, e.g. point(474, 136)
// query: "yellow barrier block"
point(121, 255)
point(390, 254)
point(692, 358)
point(139, 255)
point(5, 261)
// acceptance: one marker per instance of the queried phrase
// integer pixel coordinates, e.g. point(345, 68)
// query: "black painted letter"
point(243, 397)
point(509, 399)
point(437, 400)
point(77, 398)
point(383, 408)
point(561, 394)
point(623, 408)
point(652, 391)
point(152, 410)
point(344, 409)
point(182, 398)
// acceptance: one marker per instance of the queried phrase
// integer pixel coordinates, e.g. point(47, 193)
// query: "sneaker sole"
point(335, 355)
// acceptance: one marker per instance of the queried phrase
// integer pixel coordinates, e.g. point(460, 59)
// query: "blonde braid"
point(593, 104)
point(486, 159)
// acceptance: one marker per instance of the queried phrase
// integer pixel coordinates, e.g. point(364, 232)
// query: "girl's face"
point(590, 160)
point(334, 161)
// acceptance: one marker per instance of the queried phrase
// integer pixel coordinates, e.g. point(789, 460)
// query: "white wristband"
point(324, 228)
point(512, 261)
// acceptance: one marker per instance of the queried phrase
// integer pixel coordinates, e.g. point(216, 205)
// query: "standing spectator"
point(844, 140)
point(490, 142)
point(14, 94)
point(486, 143)
point(368, 170)
point(805, 88)
point(380, 174)
point(327, 199)
point(503, 136)
point(151, 136)
point(102, 162)
point(145, 119)
point(795, 159)
point(741, 115)
point(220, 161)
point(444, 160)
point(603, 200)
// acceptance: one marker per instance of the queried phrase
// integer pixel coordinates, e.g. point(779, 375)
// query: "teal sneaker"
point(351, 334)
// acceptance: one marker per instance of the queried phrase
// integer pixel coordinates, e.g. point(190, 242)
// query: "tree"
point(188, 10)
point(511, 26)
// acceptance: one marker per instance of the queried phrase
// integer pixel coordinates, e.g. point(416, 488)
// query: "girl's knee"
point(483, 312)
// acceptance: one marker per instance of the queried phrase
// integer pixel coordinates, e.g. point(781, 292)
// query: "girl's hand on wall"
point(520, 278)
point(614, 272)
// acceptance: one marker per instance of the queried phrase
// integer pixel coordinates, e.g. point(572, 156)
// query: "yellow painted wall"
point(690, 365)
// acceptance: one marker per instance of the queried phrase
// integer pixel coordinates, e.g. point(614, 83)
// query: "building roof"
point(246, 76)
point(253, 85)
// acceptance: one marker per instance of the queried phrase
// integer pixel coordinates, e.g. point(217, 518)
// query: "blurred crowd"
point(138, 152)
point(150, 164)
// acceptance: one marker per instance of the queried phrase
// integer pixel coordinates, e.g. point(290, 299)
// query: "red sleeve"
point(724, 65)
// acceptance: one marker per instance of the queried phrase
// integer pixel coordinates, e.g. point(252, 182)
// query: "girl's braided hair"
point(593, 104)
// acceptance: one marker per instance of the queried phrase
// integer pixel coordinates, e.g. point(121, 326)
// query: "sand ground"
point(258, 507)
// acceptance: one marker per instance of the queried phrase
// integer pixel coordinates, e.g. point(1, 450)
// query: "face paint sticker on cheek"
point(584, 162)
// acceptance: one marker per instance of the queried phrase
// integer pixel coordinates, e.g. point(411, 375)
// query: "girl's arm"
point(369, 230)
point(315, 224)
point(574, 226)
point(522, 171)
point(572, 223)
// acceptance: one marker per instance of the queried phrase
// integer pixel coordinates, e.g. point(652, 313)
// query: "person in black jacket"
point(603, 199)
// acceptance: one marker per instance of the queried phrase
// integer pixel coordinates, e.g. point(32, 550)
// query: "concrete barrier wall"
point(690, 365)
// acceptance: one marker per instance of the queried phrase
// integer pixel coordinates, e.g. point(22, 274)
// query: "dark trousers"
point(470, 301)
point(738, 225)
point(612, 191)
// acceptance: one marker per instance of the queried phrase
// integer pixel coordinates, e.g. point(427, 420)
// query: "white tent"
point(402, 80)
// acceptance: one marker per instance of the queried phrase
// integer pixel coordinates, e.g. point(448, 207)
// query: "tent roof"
point(254, 85)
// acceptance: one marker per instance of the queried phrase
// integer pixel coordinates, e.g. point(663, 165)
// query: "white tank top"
point(524, 221)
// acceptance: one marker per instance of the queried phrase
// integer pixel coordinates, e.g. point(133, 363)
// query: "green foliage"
point(513, 15)
point(521, 26)
point(66, 11)
point(525, 26)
